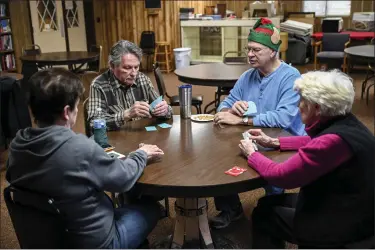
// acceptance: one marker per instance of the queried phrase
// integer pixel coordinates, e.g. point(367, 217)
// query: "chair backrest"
point(147, 40)
point(96, 65)
point(87, 79)
point(88, 129)
point(159, 80)
point(334, 41)
point(236, 57)
point(36, 220)
point(31, 50)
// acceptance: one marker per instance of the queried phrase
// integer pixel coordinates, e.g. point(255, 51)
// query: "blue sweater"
point(276, 101)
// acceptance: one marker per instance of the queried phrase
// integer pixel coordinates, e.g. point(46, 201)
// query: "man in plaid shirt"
point(122, 93)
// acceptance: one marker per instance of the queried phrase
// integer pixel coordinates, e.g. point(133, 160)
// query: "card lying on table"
point(114, 154)
point(156, 102)
point(151, 128)
point(235, 171)
point(165, 125)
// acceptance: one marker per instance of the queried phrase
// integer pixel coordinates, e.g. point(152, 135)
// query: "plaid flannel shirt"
point(114, 98)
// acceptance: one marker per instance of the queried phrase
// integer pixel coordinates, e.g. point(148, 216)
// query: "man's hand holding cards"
point(244, 108)
point(159, 107)
point(251, 109)
point(155, 102)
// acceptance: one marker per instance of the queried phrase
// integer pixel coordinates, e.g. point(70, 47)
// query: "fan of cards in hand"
point(246, 136)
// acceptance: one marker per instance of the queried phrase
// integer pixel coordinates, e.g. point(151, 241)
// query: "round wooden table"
point(196, 156)
point(218, 75)
point(62, 58)
point(366, 52)
point(212, 74)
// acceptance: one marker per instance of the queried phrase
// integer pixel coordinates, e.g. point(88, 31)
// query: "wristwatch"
point(245, 120)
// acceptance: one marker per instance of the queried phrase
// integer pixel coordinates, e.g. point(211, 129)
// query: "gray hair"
point(122, 48)
point(332, 90)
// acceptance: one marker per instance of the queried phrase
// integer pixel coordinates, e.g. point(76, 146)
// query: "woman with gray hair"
point(333, 166)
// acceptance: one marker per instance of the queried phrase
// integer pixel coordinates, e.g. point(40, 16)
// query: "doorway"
point(54, 34)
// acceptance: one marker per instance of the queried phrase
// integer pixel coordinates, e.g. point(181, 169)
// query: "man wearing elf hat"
point(264, 97)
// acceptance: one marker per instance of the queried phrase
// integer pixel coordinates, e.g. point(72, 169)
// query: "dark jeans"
point(232, 202)
point(134, 222)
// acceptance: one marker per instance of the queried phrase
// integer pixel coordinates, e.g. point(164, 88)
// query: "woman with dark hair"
point(73, 170)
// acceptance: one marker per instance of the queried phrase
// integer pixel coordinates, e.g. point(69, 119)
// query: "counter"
point(209, 40)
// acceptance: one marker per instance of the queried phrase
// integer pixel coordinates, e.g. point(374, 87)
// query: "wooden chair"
point(88, 130)
point(94, 66)
point(331, 50)
point(239, 57)
point(174, 100)
point(163, 49)
point(33, 50)
point(87, 79)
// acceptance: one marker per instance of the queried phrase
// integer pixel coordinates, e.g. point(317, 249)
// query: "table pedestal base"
point(191, 227)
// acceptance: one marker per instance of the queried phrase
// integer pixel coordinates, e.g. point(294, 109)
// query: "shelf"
point(6, 51)
point(4, 17)
point(5, 33)
point(10, 70)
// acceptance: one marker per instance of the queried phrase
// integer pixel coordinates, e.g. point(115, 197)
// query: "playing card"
point(235, 171)
point(114, 154)
point(156, 102)
point(151, 128)
point(245, 135)
point(165, 125)
point(251, 110)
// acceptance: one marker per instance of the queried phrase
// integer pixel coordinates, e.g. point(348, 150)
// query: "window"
point(71, 13)
point(328, 8)
point(47, 15)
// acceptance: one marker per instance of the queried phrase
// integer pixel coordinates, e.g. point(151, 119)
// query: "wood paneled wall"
point(22, 33)
point(118, 19)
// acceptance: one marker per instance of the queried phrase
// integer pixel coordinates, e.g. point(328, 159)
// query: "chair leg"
point(198, 107)
point(209, 104)
point(166, 206)
point(368, 92)
point(218, 99)
point(364, 83)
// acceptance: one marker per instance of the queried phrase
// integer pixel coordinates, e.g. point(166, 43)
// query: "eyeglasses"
point(254, 50)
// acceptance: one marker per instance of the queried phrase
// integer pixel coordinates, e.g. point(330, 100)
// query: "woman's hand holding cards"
point(247, 147)
point(262, 139)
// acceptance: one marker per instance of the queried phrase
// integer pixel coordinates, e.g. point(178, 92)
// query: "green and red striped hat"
point(264, 32)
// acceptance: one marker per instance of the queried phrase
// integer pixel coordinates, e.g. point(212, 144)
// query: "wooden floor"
point(239, 231)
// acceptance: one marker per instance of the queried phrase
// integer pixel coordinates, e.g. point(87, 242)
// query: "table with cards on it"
point(196, 157)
